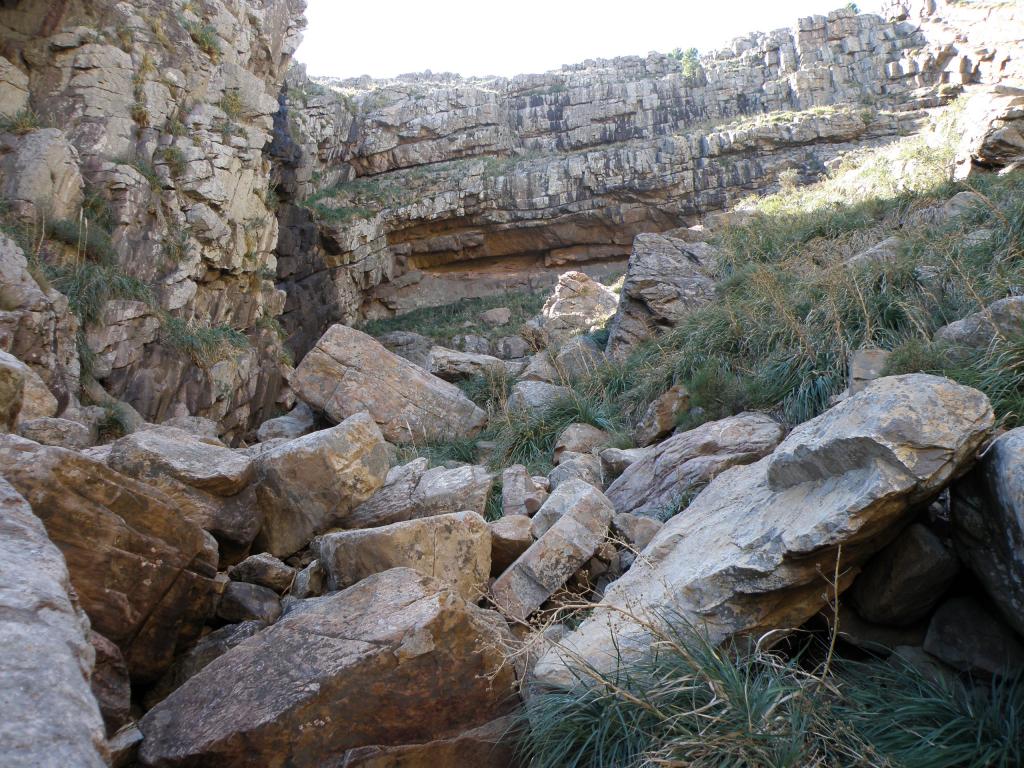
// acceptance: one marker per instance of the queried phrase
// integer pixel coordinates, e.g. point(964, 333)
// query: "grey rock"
point(264, 570)
point(966, 636)
point(248, 602)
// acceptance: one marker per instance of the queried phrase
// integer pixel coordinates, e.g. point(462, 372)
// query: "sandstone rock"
point(248, 602)
point(450, 365)
point(886, 251)
point(901, 584)
point(143, 573)
point(614, 461)
point(432, 662)
point(265, 570)
point(39, 174)
point(635, 530)
point(412, 491)
point(309, 484)
point(579, 529)
point(348, 372)
point(520, 495)
point(12, 389)
point(579, 304)
point(37, 401)
point(13, 89)
point(110, 683)
point(994, 135)
point(666, 279)
point(50, 715)
point(206, 430)
point(672, 471)
point(512, 348)
point(662, 416)
point(496, 317)
point(535, 397)
point(510, 537)
point(578, 358)
point(987, 510)
point(309, 582)
point(540, 368)
point(62, 433)
point(412, 346)
point(453, 548)
point(488, 746)
point(471, 343)
point(866, 365)
point(580, 438)
point(576, 466)
point(1004, 317)
point(966, 636)
point(296, 423)
point(747, 555)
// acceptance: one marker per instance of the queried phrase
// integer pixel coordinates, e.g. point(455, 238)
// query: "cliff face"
point(429, 187)
point(160, 116)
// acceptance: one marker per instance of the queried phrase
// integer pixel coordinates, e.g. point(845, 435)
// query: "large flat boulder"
point(747, 556)
point(453, 548)
point(348, 372)
point(988, 524)
point(144, 573)
point(307, 485)
point(671, 471)
point(398, 659)
point(50, 716)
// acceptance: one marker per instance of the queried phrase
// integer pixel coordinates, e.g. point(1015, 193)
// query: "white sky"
point(477, 37)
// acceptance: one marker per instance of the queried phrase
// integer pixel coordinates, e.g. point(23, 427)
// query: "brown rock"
point(580, 438)
point(579, 304)
point(576, 466)
point(966, 636)
point(520, 495)
point(510, 537)
point(12, 390)
point(489, 746)
point(61, 433)
point(248, 602)
point(662, 416)
point(404, 658)
point(110, 683)
point(265, 570)
point(348, 372)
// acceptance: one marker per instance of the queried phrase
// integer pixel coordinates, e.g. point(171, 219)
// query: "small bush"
point(206, 39)
point(20, 123)
point(204, 344)
point(89, 286)
point(232, 105)
point(175, 160)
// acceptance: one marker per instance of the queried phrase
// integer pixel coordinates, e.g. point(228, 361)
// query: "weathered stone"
point(614, 461)
point(124, 746)
point(348, 372)
point(309, 582)
point(994, 130)
point(1004, 318)
point(296, 423)
point(666, 279)
point(576, 466)
point(901, 584)
point(451, 365)
point(673, 470)
point(512, 348)
point(966, 636)
point(110, 683)
point(580, 438)
point(412, 491)
point(576, 534)
point(535, 397)
point(62, 433)
point(635, 530)
point(248, 602)
point(578, 358)
point(433, 663)
point(454, 548)
point(886, 251)
point(520, 495)
point(579, 304)
point(412, 346)
point(143, 573)
point(265, 570)
point(540, 368)
point(496, 317)
point(488, 746)
point(866, 365)
point(510, 537)
point(987, 509)
point(747, 555)
point(12, 390)
point(37, 402)
point(50, 715)
point(662, 416)
point(205, 430)
point(39, 174)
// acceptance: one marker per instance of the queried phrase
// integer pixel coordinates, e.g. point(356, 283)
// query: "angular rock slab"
point(565, 546)
point(454, 548)
point(672, 470)
point(348, 372)
point(747, 556)
point(988, 524)
point(311, 483)
point(50, 715)
point(577, 305)
point(143, 572)
point(396, 659)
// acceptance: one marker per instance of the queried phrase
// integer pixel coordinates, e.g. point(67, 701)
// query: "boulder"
point(110, 683)
point(576, 466)
point(309, 582)
point(312, 483)
point(540, 368)
point(144, 573)
point(535, 397)
point(12, 390)
point(865, 366)
point(662, 416)
point(62, 433)
point(50, 715)
point(579, 304)
point(994, 130)
point(674, 470)
point(453, 548)
point(520, 495)
point(487, 746)
point(636, 531)
point(969, 638)
point(512, 348)
point(614, 461)
point(204, 429)
point(471, 344)
point(451, 365)
point(348, 372)
point(265, 570)
point(901, 584)
point(1004, 317)
point(510, 537)
point(580, 438)
point(248, 602)
point(581, 523)
point(412, 346)
point(413, 491)
point(747, 556)
point(496, 317)
point(296, 423)
point(884, 252)
point(987, 510)
point(666, 279)
point(578, 359)
point(397, 659)
point(39, 175)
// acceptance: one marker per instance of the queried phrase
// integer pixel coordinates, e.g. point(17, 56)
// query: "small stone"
point(577, 466)
point(510, 537)
point(265, 570)
point(496, 317)
point(580, 438)
point(662, 416)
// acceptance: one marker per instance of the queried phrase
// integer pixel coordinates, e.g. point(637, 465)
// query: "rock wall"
point(425, 188)
point(160, 116)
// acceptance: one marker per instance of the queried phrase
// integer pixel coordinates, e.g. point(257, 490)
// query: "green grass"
point(89, 286)
point(87, 237)
point(205, 37)
point(20, 123)
point(692, 703)
point(204, 344)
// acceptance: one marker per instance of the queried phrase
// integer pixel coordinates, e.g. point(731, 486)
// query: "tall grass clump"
point(204, 344)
